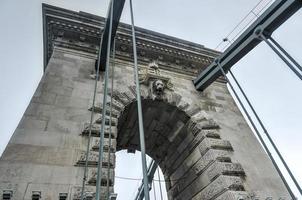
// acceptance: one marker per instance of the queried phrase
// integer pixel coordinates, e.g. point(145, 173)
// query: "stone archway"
point(186, 144)
point(199, 155)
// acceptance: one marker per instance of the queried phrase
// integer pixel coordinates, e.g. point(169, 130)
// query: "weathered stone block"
point(93, 158)
point(225, 168)
point(210, 143)
point(92, 176)
point(209, 157)
point(96, 143)
point(96, 128)
point(221, 184)
point(234, 195)
point(114, 121)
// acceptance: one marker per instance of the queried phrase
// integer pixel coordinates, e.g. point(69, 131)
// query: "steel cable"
point(91, 120)
point(266, 133)
point(110, 118)
point(105, 91)
point(257, 132)
point(159, 182)
point(139, 108)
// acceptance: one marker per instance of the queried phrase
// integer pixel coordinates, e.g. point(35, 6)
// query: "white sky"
point(273, 89)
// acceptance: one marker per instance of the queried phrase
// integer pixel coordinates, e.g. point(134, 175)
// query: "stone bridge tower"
point(201, 141)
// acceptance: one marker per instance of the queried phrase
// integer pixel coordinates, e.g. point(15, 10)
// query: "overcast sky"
point(273, 89)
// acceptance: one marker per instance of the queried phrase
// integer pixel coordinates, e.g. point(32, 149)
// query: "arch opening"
point(182, 140)
point(164, 125)
point(129, 172)
point(165, 128)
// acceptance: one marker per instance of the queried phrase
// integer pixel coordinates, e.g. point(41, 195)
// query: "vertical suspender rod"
point(101, 146)
point(110, 119)
point(154, 192)
point(258, 133)
point(91, 120)
point(139, 110)
point(159, 182)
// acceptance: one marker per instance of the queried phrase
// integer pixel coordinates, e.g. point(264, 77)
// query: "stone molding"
point(82, 31)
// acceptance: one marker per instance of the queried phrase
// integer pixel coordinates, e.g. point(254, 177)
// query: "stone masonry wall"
point(214, 155)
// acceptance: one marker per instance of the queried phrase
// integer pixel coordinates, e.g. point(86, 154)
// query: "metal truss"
point(260, 30)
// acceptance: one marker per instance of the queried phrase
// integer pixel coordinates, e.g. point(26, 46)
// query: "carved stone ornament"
point(92, 175)
point(89, 193)
point(156, 82)
point(92, 158)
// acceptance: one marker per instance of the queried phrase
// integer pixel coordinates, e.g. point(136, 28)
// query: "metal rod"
point(266, 133)
point(258, 134)
point(110, 119)
point(139, 110)
point(286, 53)
point(99, 171)
point(281, 56)
point(91, 120)
point(154, 190)
point(159, 182)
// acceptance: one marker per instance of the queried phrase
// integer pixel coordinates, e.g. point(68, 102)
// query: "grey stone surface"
point(200, 139)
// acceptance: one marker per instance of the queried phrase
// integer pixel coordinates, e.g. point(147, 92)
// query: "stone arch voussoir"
point(201, 168)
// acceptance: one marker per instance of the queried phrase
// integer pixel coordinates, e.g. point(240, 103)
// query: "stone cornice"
point(82, 31)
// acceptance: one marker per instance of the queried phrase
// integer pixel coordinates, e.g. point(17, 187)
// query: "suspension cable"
point(139, 110)
point(110, 119)
point(140, 179)
point(266, 132)
point(258, 133)
point(105, 91)
point(159, 182)
point(91, 120)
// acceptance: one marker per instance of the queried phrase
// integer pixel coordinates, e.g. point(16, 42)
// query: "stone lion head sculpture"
point(158, 87)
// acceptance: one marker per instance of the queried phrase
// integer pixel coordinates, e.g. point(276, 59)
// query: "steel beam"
point(151, 171)
point(117, 12)
point(268, 22)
